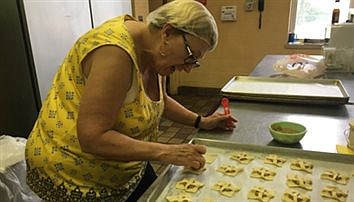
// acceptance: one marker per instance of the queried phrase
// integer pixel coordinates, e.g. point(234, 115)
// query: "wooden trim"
point(132, 2)
point(174, 83)
point(292, 15)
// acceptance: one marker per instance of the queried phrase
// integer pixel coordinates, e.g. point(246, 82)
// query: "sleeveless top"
point(57, 169)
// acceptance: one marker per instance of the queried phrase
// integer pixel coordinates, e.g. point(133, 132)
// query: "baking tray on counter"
point(288, 90)
point(165, 184)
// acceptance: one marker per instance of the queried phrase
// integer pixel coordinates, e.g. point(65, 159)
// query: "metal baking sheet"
point(165, 183)
point(288, 90)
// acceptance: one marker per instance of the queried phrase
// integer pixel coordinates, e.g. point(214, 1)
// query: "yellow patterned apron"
point(57, 169)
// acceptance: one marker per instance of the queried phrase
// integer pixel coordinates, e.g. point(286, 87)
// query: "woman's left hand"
point(218, 120)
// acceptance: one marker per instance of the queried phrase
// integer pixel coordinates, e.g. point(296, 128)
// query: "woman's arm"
point(107, 85)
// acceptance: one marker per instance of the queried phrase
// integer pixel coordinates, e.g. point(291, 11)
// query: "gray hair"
point(188, 16)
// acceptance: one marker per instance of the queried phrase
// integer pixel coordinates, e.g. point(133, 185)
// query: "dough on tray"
point(263, 173)
point(208, 199)
point(189, 185)
point(193, 171)
point(229, 170)
point(334, 192)
point(335, 176)
point(242, 157)
point(181, 197)
point(210, 157)
point(261, 194)
point(225, 188)
point(295, 196)
point(296, 181)
point(274, 160)
point(301, 165)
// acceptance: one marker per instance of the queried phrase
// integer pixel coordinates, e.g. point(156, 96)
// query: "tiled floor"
point(175, 133)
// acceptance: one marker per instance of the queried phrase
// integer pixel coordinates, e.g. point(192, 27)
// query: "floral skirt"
point(45, 188)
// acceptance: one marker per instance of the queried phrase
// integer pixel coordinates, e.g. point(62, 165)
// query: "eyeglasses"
point(191, 59)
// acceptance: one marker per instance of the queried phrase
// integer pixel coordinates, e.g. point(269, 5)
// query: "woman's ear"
point(167, 31)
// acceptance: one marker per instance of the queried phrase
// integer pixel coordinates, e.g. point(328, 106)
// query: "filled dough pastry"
point(295, 196)
point(260, 194)
point(274, 160)
point(301, 165)
point(210, 158)
point(263, 173)
point(335, 177)
point(181, 197)
point(225, 188)
point(229, 170)
point(295, 181)
point(242, 157)
point(189, 185)
point(334, 192)
point(196, 172)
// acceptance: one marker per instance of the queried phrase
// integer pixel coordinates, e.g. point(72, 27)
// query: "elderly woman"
point(94, 136)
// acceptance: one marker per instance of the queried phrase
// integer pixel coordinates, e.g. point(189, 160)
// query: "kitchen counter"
point(325, 123)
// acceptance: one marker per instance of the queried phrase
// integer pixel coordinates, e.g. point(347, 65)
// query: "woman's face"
point(184, 54)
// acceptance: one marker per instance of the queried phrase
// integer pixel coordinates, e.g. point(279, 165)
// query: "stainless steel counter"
point(325, 124)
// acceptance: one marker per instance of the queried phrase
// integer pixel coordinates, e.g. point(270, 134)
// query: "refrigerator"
point(35, 37)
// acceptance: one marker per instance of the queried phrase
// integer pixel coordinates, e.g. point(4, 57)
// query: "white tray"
point(288, 90)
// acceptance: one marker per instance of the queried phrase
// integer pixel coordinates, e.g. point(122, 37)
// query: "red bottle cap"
point(225, 104)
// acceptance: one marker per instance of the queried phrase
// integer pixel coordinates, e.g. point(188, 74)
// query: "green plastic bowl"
point(287, 132)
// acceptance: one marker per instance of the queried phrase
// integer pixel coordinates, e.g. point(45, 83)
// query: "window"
point(309, 18)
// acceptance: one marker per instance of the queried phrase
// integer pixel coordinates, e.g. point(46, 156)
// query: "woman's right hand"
point(187, 155)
